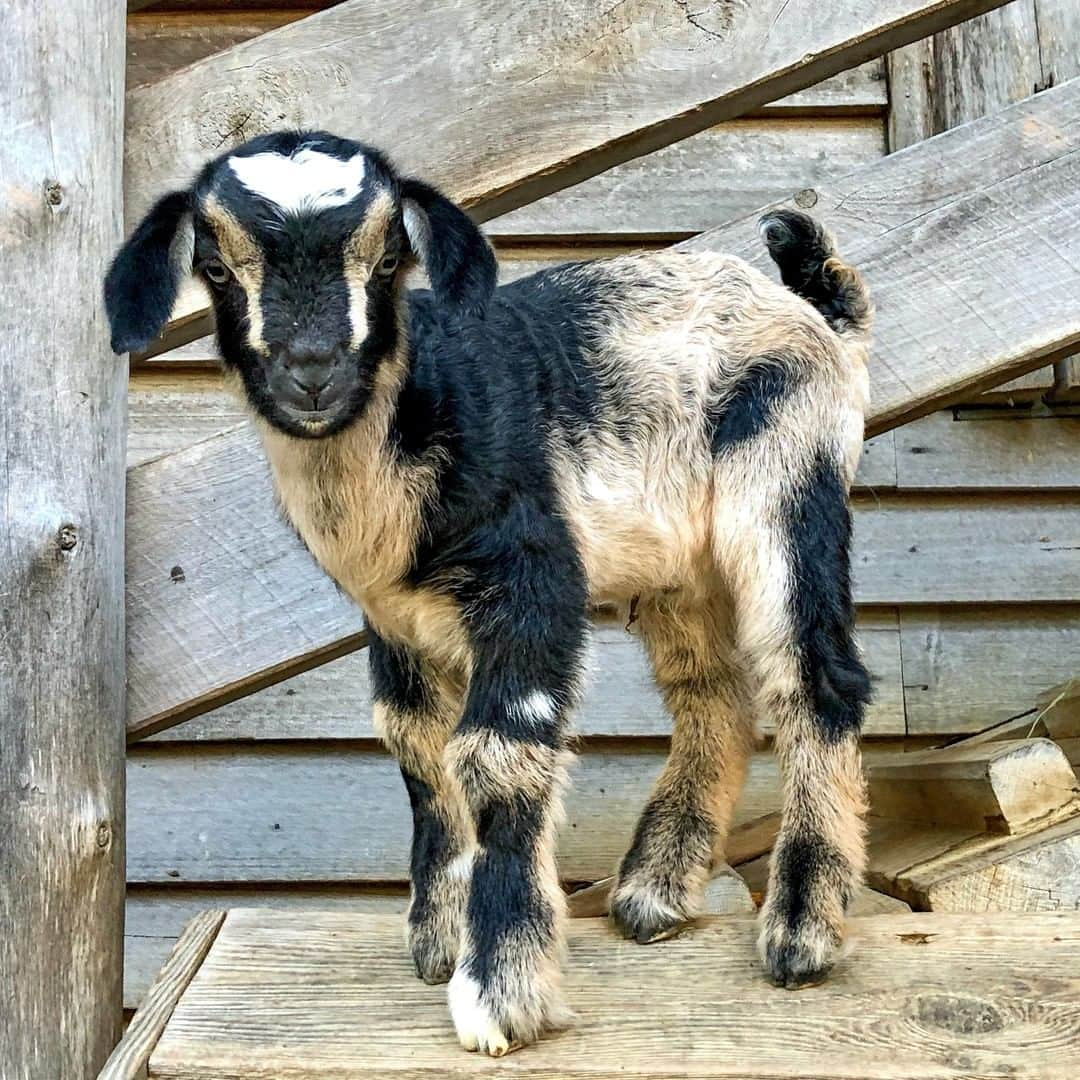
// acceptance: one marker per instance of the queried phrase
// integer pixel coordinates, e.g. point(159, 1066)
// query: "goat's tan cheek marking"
point(244, 256)
point(362, 250)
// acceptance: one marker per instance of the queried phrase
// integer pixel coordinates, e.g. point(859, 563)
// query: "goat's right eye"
point(216, 271)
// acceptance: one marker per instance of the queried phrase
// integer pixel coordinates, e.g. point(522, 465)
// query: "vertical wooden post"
point(62, 434)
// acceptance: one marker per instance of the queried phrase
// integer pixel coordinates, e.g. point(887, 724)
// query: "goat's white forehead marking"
point(308, 180)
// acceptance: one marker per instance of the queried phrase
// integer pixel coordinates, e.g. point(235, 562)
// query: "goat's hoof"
point(640, 916)
point(433, 957)
point(499, 1028)
point(797, 957)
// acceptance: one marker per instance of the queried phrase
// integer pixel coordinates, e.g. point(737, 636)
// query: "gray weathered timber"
point(985, 549)
point(972, 70)
point(128, 1061)
point(160, 43)
point(1004, 786)
point(611, 82)
point(325, 996)
point(61, 542)
point(999, 453)
point(944, 231)
point(688, 187)
point(227, 603)
point(963, 73)
point(962, 670)
point(965, 670)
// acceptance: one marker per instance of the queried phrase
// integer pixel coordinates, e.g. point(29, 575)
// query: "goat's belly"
point(629, 551)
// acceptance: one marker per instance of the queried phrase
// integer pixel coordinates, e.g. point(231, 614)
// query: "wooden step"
point(332, 995)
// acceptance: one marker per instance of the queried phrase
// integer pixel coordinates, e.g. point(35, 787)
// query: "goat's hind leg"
point(796, 632)
point(681, 832)
point(416, 707)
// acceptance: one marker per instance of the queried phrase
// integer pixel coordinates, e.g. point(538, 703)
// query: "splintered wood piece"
point(128, 1060)
point(949, 868)
point(1001, 786)
point(916, 995)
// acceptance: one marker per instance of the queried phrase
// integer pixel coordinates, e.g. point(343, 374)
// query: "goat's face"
point(302, 239)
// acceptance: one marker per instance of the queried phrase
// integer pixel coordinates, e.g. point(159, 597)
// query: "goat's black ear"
point(145, 276)
point(459, 262)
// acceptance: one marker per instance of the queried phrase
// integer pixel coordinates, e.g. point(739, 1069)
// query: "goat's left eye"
point(389, 264)
point(216, 271)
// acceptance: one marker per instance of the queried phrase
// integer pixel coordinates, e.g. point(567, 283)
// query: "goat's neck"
point(355, 503)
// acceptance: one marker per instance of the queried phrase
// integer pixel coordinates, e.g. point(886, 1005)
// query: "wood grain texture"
point(1002, 786)
point(966, 670)
point(966, 549)
point(292, 813)
point(162, 42)
point(720, 174)
point(617, 80)
point(951, 868)
point(156, 916)
point(335, 996)
point(224, 601)
point(61, 542)
point(964, 73)
point(940, 453)
point(129, 1059)
point(989, 202)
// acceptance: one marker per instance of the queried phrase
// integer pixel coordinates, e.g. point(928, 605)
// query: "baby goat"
point(478, 467)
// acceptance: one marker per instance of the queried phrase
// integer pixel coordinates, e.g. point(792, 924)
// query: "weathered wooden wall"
point(61, 542)
point(968, 571)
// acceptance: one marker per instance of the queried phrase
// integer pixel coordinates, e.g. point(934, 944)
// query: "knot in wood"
point(54, 193)
point(806, 198)
point(67, 536)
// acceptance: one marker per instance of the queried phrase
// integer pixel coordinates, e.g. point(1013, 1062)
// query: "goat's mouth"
point(313, 423)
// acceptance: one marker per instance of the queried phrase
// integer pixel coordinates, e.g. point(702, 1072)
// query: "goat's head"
point(302, 239)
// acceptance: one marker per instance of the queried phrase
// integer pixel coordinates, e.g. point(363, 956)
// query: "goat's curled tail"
point(810, 267)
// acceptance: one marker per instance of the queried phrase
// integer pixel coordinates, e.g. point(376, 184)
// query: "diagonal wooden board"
point(919, 995)
point(971, 244)
point(518, 100)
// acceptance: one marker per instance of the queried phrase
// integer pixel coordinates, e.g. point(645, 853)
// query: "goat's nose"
point(310, 372)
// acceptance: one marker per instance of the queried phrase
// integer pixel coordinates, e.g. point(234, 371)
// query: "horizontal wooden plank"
point(941, 549)
point(962, 670)
point(334, 701)
point(943, 453)
point(322, 623)
point(942, 232)
point(155, 917)
point(340, 814)
point(917, 995)
point(981, 207)
point(720, 174)
point(966, 670)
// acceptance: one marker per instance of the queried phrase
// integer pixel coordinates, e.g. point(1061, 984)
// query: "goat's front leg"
point(416, 706)
point(509, 757)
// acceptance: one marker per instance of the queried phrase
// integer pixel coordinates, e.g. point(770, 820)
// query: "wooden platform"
point(919, 995)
